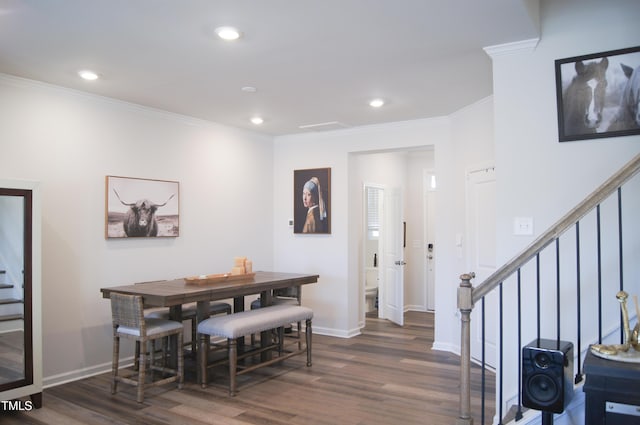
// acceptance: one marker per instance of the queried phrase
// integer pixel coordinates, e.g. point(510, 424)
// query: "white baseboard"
point(64, 378)
point(445, 346)
point(336, 332)
point(416, 307)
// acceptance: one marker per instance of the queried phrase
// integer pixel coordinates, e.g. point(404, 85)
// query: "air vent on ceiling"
point(324, 126)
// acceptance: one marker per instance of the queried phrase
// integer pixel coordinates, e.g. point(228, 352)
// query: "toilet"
point(371, 288)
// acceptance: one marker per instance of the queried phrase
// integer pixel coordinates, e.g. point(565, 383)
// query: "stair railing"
point(468, 296)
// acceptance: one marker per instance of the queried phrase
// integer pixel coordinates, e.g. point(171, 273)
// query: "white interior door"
point(393, 258)
point(481, 203)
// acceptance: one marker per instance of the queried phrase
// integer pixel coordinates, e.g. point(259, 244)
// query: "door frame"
point(429, 221)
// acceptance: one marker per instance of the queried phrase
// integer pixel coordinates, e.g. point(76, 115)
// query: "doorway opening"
point(397, 181)
point(373, 197)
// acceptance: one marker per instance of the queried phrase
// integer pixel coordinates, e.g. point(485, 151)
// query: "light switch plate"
point(523, 226)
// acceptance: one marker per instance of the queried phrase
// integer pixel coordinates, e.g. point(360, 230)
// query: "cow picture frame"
point(312, 201)
point(138, 207)
point(598, 95)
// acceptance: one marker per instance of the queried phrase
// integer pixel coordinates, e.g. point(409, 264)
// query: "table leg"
point(238, 306)
point(266, 299)
point(175, 313)
point(202, 313)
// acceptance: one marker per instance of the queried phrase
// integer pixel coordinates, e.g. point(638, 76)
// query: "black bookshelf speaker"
point(547, 375)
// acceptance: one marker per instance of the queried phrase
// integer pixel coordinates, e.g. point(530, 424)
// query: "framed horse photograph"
point(598, 95)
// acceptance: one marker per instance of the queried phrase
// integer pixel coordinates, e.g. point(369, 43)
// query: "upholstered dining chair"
point(129, 322)
point(291, 295)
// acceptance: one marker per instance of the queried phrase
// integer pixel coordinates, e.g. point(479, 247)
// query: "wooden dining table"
point(174, 293)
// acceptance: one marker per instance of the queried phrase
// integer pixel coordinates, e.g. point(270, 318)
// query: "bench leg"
point(233, 361)
point(308, 340)
point(194, 336)
point(202, 359)
point(280, 340)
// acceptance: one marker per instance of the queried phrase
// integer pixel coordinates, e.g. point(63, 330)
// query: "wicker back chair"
point(188, 313)
point(129, 322)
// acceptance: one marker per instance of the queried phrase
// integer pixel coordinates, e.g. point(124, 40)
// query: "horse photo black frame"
point(598, 95)
point(136, 207)
point(312, 201)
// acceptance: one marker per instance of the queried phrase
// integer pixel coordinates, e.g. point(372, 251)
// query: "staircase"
point(11, 308)
point(561, 287)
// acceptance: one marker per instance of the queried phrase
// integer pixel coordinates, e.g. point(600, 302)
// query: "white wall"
point(70, 141)
point(472, 133)
point(335, 257)
point(541, 178)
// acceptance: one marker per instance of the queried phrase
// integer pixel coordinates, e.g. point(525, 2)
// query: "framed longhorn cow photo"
point(599, 95)
point(141, 208)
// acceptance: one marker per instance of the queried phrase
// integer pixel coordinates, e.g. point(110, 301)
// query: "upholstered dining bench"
point(234, 326)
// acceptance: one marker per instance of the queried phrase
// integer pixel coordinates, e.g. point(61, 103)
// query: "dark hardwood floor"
point(387, 375)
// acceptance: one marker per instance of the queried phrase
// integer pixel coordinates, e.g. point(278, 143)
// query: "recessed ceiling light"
point(228, 33)
point(257, 120)
point(249, 89)
point(88, 75)
point(376, 103)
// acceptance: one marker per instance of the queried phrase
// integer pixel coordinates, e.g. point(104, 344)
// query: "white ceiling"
point(312, 61)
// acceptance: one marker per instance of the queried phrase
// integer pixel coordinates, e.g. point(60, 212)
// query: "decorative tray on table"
point(217, 278)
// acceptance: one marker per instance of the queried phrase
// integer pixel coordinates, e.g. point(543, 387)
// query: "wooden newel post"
point(465, 305)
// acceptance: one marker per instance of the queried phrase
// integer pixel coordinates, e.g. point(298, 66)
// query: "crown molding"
point(509, 48)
